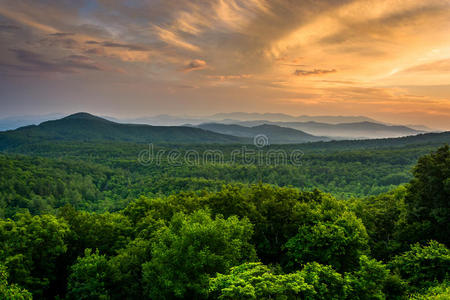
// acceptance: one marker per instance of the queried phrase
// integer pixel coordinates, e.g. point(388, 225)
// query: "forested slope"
point(104, 177)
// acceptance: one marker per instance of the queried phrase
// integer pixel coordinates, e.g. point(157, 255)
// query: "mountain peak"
point(83, 116)
point(86, 127)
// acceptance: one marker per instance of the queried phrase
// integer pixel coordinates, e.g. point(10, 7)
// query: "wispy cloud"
point(130, 47)
point(196, 64)
point(62, 34)
point(36, 63)
point(8, 27)
point(287, 46)
point(60, 40)
point(172, 38)
point(313, 72)
point(442, 65)
point(127, 46)
point(230, 77)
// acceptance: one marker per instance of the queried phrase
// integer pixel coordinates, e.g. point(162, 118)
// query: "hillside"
point(86, 127)
point(275, 134)
point(435, 139)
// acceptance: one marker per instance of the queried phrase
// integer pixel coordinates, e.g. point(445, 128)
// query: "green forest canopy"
point(96, 224)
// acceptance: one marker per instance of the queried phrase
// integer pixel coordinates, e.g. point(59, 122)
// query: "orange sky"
point(389, 60)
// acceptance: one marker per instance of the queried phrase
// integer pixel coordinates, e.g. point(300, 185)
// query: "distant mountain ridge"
point(279, 117)
point(360, 130)
point(274, 133)
point(335, 127)
point(86, 127)
point(348, 127)
point(433, 138)
point(10, 123)
point(230, 118)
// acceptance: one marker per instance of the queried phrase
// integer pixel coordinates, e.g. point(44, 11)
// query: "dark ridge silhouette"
point(86, 127)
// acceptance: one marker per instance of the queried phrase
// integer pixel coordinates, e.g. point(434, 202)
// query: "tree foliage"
point(338, 242)
point(257, 281)
point(88, 277)
point(423, 266)
point(428, 198)
point(191, 249)
point(31, 247)
point(11, 291)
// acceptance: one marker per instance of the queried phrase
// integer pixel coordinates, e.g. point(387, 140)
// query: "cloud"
point(31, 58)
point(313, 72)
point(34, 62)
point(172, 38)
point(8, 27)
point(130, 47)
point(196, 64)
point(185, 86)
point(60, 40)
point(96, 51)
point(230, 77)
point(442, 65)
point(61, 34)
point(361, 41)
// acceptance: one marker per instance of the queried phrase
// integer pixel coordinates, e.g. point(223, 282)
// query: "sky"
point(389, 60)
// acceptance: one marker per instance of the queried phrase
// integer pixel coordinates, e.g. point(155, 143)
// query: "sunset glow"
point(386, 59)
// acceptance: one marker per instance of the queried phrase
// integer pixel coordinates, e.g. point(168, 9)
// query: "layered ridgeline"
point(357, 130)
point(335, 127)
point(275, 134)
point(86, 127)
point(242, 116)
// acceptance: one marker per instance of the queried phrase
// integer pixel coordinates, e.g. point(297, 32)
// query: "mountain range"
point(359, 130)
point(230, 118)
point(278, 117)
point(335, 127)
point(87, 127)
point(84, 127)
point(275, 134)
